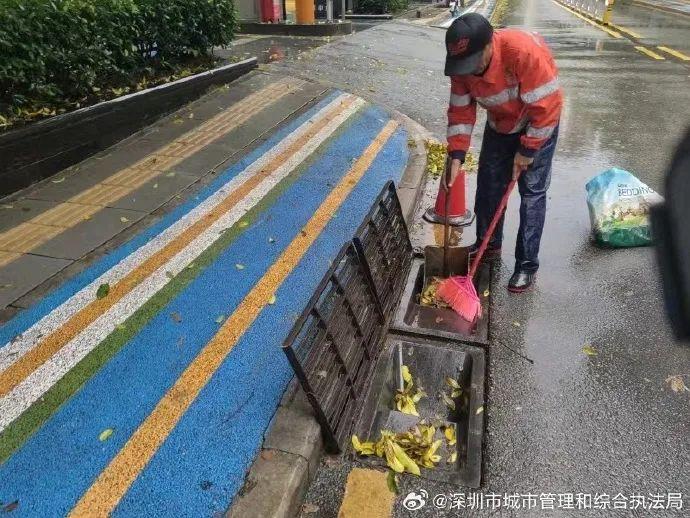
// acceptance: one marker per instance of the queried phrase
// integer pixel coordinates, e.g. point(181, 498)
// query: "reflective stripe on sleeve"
point(460, 100)
point(539, 93)
point(459, 129)
point(544, 132)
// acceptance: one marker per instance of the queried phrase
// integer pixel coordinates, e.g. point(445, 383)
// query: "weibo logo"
point(459, 46)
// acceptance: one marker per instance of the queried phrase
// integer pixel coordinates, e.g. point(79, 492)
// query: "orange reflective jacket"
point(519, 90)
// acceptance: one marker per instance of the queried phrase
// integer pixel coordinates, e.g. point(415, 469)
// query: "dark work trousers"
point(495, 172)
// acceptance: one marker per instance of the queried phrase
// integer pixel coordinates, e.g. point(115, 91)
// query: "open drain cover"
point(334, 344)
point(336, 341)
point(384, 242)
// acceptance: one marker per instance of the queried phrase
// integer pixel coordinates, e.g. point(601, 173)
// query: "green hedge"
point(381, 6)
point(60, 50)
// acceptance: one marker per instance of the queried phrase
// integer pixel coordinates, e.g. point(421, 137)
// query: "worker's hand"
point(455, 165)
point(520, 164)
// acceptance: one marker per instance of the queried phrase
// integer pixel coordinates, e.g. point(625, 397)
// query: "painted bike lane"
point(200, 462)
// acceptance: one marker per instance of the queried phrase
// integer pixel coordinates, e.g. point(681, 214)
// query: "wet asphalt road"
point(654, 27)
point(567, 423)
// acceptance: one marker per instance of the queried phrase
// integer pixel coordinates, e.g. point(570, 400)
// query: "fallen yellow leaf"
point(449, 402)
point(105, 434)
point(589, 350)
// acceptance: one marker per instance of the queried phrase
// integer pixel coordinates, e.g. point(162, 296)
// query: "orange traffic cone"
point(458, 214)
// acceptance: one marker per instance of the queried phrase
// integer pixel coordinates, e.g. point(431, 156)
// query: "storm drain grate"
point(334, 344)
point(383, 242)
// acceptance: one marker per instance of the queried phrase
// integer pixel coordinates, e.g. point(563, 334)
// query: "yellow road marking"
point(127, 180)
point(366, 495)
point(111, 485)
point(675, 53)
point(629, 32)
point(649, 53)
point(588, 20)
point(54, 342)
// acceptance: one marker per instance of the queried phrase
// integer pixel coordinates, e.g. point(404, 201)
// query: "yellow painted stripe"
point(126, 180)
point(367, 495)
point(588, 20)
point(629, 32)
point(118, 476)
point(606, 29)
point(52, 343)
point(649, 52)
point(675, 53)
point(27, 239)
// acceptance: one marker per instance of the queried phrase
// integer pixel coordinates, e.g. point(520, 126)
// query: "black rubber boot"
point(521, 281)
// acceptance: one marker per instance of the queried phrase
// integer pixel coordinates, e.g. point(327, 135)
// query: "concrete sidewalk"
point(65, 222)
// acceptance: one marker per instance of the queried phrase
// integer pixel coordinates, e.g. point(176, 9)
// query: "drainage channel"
point(365, 322)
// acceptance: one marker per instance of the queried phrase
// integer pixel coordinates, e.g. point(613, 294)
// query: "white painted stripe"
point(544, 132)
point(460, 129)
point(12, 351)
point(36, 384)
point(543, 91)
point(501, 97)
point(460, 100)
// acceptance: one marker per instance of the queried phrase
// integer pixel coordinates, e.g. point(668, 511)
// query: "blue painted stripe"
point(60, 461)
point(27, 318)
point(202, 465)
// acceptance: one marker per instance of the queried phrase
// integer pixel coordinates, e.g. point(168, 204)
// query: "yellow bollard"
point(607, 12)
point(304, 11)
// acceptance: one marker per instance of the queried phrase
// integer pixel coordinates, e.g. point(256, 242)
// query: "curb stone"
point(277, 482)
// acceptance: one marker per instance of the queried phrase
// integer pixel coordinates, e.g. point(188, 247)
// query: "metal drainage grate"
point(383, 242)
point(334, 344)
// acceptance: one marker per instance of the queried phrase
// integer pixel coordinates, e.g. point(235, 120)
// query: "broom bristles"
point(461, 295)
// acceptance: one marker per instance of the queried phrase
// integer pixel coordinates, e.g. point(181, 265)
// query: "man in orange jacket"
point(511, 73)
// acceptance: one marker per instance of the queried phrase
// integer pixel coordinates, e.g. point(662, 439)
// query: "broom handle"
point(492, 228)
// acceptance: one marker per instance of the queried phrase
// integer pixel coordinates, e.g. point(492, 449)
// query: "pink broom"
point(459, 291)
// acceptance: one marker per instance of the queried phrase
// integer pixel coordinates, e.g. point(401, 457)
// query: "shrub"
point(381, 6)
point(60, 50)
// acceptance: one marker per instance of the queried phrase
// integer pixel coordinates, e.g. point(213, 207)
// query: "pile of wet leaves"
point(405, 400)
point(436, 153)
point(428, 296)
point(406, 452)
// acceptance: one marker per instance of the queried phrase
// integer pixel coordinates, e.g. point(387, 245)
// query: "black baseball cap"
point(465, 40)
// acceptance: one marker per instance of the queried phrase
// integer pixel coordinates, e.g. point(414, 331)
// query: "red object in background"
point(458, 215)
point(271, 11)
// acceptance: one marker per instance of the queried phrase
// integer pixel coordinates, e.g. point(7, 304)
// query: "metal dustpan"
point(458, 262)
